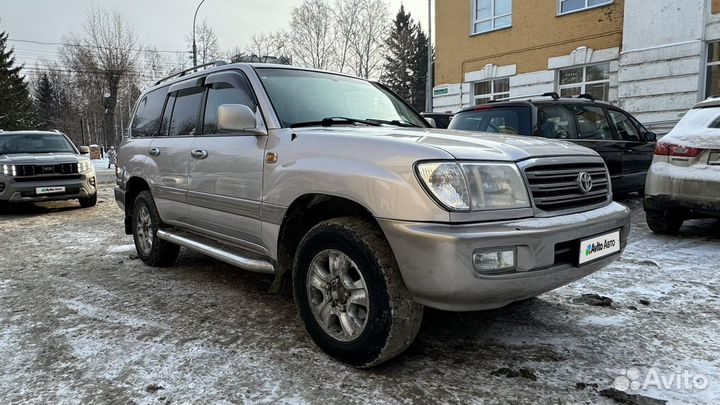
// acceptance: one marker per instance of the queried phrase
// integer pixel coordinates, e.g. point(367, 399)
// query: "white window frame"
point(583, 84)
point(493, 93)
point(707, 65)
point(493, 17)
point(587, 6)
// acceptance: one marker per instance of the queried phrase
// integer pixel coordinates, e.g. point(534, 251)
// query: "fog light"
point(498, 260)
point(92, 181)
point(2, 187)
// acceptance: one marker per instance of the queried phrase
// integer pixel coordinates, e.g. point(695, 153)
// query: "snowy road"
point(82, 320)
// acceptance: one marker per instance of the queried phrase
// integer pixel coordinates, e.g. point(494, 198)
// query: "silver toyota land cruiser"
point(38, 166)
point(335, 184)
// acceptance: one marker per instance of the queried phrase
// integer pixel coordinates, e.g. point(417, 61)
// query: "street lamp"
point(194, 45)
point(429, 78)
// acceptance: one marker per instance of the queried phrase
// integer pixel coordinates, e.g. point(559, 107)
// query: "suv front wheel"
point(350, 294)
point(145, 224)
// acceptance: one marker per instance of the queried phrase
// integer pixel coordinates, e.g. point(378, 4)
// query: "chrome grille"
point(49, 169)
point(555, 187)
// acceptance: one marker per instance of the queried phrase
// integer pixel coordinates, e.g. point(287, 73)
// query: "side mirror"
point(650, 137)
point(238, 118)
point(431, 121)
point(84, 150)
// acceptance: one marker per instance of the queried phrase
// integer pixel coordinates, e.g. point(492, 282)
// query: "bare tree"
point(344, 20)
point(371, 21)
point(267, 47)
point(207, 43)
point(313, 34)
point(107, 53)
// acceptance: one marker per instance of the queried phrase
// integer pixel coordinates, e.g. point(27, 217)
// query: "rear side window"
point(592, 123)
point(224, 93)
point(147, 115)
point(501, 120)
point(185, 112)
point(556, 122)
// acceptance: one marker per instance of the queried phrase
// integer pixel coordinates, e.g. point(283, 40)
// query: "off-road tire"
point(394, 318)
point(664, 222)
point(87, 202)
point(162, 253)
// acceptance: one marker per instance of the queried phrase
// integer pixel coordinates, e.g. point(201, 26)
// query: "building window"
point(590, 79)
point(570, 6)
point(712, 80)
point(488, 90)
point(491, 15)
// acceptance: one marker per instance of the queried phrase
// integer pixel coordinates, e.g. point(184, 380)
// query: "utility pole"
point(428, 85)
point(194, 50)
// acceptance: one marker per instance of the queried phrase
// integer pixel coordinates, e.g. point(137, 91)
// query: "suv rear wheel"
point(145, 224)
point(350, 295)
point(664, 222)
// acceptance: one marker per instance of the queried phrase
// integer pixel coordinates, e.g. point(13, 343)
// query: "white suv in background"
point(684, 179)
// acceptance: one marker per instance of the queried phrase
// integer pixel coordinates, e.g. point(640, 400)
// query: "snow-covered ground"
point(83, 321)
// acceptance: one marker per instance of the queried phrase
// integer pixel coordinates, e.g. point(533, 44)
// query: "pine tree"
point(16, 110)
point(405, 69)
point(45, 103)
point(420, 69)
point(397, 70)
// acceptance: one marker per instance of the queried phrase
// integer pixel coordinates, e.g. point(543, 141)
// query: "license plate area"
point(49, 190)
point(598, 247)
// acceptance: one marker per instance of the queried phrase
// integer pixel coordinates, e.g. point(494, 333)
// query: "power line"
point(32, 41)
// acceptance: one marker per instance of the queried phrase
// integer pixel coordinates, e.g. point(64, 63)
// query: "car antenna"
point(552, 94)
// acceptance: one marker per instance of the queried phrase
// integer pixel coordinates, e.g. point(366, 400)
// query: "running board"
point(215, 251)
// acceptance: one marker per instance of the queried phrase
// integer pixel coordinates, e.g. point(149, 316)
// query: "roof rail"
point(552, 94)
point(193, 69)
point(587, 96)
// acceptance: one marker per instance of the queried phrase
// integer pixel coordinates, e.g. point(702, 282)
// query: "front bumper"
point(76, 186)
point(435, 260)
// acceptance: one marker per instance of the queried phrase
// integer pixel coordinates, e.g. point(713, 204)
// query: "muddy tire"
point(664, 222)
point(87, 202)
point(145, 224)
point(350, 295)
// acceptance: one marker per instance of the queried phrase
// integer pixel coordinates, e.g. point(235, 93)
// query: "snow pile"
point(694, 129)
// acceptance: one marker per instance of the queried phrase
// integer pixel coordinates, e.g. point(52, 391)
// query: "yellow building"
point(497, 49)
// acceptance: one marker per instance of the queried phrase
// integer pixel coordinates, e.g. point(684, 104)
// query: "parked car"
point(625, 145)
point(44, 166)
point(335, 183)
point(684, 179)
point(442, 120)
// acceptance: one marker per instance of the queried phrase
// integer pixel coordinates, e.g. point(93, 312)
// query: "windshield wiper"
point(397, 123)
point(330, 121)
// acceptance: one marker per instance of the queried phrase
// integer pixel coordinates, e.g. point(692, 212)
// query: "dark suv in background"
point(625, 145)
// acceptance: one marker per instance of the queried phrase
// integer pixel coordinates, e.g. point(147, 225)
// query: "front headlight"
point(474, 186)
point(84, 166)
point(9, 170)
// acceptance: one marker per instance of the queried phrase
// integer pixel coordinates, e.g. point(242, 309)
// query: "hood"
point(466, 144)
point(38, 158)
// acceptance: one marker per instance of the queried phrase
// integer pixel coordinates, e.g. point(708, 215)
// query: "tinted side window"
point(147, 115)
point(505, 120)
point(624, 125)
point(555, 122)
point(219, 94)
point(165, 125)
point(591, 123)
point(185, 112)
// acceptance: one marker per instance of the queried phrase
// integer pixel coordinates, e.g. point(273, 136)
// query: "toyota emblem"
point(584, 181)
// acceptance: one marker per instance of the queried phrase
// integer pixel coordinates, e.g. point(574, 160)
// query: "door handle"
point(199, 154)
point(154, 151)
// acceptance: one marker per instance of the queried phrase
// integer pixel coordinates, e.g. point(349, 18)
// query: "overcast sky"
point(160, 23)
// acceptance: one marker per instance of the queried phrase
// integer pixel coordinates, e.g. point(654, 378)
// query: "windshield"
point(301, 96)
point(504, 120)
point(34, 143)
